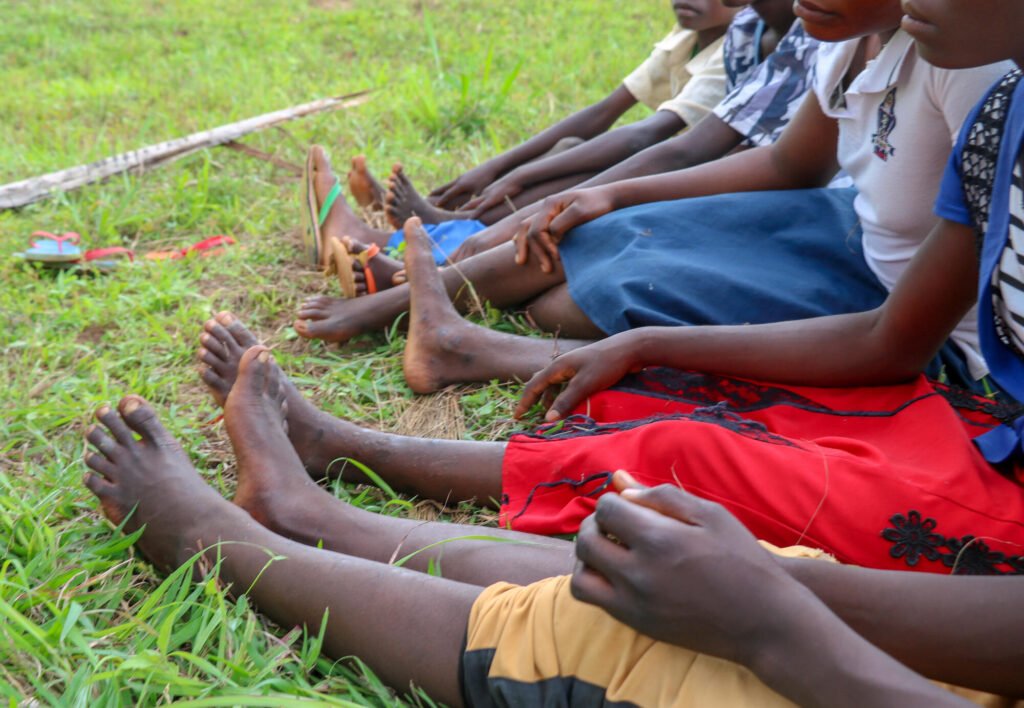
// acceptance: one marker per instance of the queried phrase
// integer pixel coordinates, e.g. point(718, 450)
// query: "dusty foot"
point(341, 221)
point(364, 187)
point(442, 348)
point(256, 415)
point(151, 482)
point(223, 342)
point(384, 268)
point(402, 202)
point(335, 319)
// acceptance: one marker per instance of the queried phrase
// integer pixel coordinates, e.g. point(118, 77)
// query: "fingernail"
point(630, 493)
point(131, 406)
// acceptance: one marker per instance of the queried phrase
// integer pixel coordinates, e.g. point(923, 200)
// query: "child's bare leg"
point(341, 220)
point(364, 187)
point(418, 620)
point(494, 275)
point(444, 470)
point(275, 490)
point(442, 348)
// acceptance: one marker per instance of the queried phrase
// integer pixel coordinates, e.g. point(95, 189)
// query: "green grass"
point(82, 621)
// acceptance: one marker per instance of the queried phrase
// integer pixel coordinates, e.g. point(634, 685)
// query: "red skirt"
point(883, 477)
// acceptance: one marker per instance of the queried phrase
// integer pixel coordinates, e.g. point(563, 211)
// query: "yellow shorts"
point(537, 645)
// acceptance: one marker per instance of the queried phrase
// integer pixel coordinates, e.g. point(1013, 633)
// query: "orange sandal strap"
point(364, 259)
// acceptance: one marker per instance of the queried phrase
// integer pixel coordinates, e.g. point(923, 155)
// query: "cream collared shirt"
point(676, 79)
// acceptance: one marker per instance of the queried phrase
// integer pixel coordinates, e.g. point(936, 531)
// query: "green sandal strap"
point(332, 197)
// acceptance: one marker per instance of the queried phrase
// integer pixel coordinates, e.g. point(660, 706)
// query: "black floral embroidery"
point(914, 537)
point(969, 556)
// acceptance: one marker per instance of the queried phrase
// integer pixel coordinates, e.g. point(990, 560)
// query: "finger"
point(567, 220)
point(598, 552)
point(550, 245)
point(522, 244)
point(587, 585)
point(555, 373)
point(578, 389)
point(623, 480)
point(537, 249)
point(634, 525)
point(673, 502)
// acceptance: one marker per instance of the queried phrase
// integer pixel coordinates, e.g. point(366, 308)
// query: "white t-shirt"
point(898, 122)
point(678, 78)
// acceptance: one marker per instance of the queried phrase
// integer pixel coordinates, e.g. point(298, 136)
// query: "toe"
point(99, 463)
point(141, 418)
point(97, 485)
point(212, 346)
point(252, 369)
point(107, 446)
point(116, 426)
point(217, 384)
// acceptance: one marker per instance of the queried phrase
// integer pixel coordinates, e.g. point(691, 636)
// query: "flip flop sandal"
point(340, 262)
point(105, 260)
point(212, 246)
point(54, 249)
point(314, 216)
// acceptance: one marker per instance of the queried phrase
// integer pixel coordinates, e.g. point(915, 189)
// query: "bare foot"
point(256, 415)
point(151, 482)
point(341, 221)
point(384, 268)
point(364, 187)
point(223, 343)
point(442, 348)
point(402, 202)
point(335, 319)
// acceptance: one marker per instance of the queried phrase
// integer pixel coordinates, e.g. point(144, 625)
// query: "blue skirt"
point(446, 237)
point(754, 257)
point(748, 258)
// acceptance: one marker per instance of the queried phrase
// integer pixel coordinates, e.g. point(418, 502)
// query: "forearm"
point(711, 139)
point(587, 123)
point(749, 171)
point(960, 630)
point(602, 152)
point(813, 658)
point(845, 352)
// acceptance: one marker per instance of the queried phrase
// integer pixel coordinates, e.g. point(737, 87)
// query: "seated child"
point(750, 257)
point(755, 113)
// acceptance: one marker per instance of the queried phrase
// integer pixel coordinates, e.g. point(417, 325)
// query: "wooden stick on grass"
point(17, 194)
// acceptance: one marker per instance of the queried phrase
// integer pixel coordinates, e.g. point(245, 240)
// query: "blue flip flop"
point(51, 248)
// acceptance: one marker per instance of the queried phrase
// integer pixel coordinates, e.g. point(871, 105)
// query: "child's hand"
point(584, 371)
point(682, 570)
point(495, 194)
point(470, 183)
point(539, 235)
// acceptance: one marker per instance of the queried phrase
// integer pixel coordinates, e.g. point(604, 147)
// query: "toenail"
point(226, 318)
point(102, 411)
point(264, 356)
point(131, 406)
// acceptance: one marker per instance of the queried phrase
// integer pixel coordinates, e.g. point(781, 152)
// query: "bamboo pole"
point(18, 194)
